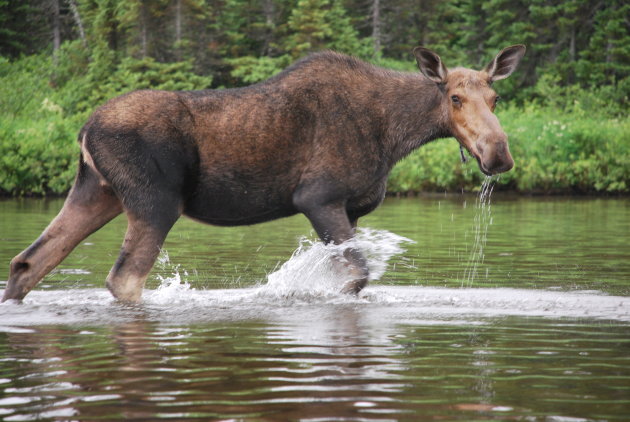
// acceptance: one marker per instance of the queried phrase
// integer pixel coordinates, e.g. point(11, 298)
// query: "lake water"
point(514, 309)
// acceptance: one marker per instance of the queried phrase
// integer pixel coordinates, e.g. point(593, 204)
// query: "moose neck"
point(414, 114)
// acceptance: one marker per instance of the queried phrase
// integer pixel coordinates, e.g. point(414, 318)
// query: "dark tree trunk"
point(144, 30)
point(269, 11)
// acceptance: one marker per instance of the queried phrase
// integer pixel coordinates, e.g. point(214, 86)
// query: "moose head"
point(469, 101)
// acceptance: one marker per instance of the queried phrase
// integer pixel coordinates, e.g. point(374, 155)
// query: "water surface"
point(519, 312)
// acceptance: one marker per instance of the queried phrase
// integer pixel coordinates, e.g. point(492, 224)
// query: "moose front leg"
point(332, 224)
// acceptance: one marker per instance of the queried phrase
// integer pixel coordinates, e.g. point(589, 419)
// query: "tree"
point(319, 24)
point(13, 27)
point(607, 56)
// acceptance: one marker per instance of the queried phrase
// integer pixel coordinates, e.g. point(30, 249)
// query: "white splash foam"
point(172, 288)
point(317, 270)
point(389, 304)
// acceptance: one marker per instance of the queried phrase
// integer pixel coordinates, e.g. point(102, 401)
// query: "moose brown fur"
point(319, 138)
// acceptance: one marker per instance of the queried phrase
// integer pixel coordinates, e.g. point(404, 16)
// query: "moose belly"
point(233, 204)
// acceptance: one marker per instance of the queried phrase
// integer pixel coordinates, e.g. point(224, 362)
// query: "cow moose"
point(319, 138)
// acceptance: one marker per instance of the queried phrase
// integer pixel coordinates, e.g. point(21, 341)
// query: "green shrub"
point(250, 69)
point(38, 152)
point(41, 112)
point(133, 74)
point(37, 156)
point(568, 152)
point(24, 84)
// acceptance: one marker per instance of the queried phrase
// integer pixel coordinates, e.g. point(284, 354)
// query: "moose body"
point(319, 138)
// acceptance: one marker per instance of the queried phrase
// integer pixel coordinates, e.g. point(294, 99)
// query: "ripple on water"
point(334, 363)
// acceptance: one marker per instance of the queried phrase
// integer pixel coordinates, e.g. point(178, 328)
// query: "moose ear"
point(430, 64)
point(505, 62)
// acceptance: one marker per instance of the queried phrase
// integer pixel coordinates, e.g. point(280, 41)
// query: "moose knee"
point(18, 265)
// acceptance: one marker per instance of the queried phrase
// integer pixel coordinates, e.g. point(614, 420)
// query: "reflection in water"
point(339, 361)
point(141, 370)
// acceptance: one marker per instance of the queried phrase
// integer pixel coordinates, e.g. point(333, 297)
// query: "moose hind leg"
point(89, 206)
point(145, 236)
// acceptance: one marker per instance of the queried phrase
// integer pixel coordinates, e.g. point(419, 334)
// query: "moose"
point(319, 138)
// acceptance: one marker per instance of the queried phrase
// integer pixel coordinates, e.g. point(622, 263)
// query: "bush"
point(37, 156)
point(250, 69)
point(37, 150)
point(25, 83)
point(133, 74)
point(564, 152)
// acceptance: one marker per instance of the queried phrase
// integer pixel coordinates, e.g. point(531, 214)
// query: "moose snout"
point(495, 157)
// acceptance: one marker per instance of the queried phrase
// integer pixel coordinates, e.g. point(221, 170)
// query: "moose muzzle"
point(494, 154)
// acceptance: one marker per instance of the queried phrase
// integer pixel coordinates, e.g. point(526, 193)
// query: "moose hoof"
point(353, 287)
point(14, 294)
point(11, 301)
point(125, 292)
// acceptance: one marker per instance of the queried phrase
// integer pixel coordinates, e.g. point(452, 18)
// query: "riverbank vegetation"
point(565, 110)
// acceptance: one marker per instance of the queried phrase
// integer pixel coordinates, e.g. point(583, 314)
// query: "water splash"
point(314, 272)
point(314, 269)
point(171, 287)
point(483, 219)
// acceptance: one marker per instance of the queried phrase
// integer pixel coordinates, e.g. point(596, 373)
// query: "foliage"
point(577, 152)
point(38, 156)
point(319, 24)
point(39, 121)
point(15, 37)
point(566, 108)
point(312, 25)
point(133, 74)
point(23, 83)
point(250, 69)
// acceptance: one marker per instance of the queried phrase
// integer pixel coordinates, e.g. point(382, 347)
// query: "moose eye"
point(496, 99)
point(455, 99)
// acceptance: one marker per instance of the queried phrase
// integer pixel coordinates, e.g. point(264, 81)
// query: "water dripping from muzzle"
point(482, 220)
